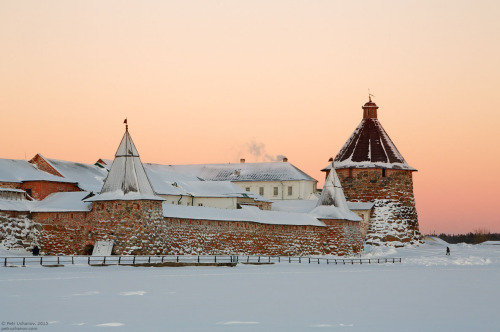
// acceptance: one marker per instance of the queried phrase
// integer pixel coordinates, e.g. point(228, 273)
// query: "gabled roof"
point(127, 179)
point(266, 171)
point(88, 177)
point(18, 171)
point(369, 146)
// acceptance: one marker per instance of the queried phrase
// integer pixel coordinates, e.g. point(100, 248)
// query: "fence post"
point(215, 258)
point(24, 261)
point(279, 259)
point(73, 260)
point(300, 260)
point(87, 262)
point(133, 261)
point(269, 259)
point(309, 260)
point(149, 259)
point(104, 261)
point(119, 260)
point(289, 259)
point(318, 260)
point(198, 258)
point(259, 260)
point(5, 261)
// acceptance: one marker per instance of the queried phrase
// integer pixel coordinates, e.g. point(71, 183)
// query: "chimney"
point(285, 159)
point(242, 161)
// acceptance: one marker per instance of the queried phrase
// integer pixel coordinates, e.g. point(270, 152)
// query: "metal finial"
point(370, 96)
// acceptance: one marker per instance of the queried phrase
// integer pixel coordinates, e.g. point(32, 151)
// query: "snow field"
point(427, 292)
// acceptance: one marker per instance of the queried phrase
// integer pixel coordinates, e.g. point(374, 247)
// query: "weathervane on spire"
point(126, 124)
point(370, 96)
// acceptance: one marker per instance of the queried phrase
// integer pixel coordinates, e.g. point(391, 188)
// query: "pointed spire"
point(127, 178)
point(332, 193)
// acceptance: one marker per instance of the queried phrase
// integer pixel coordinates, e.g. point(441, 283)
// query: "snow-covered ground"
point(427, 292)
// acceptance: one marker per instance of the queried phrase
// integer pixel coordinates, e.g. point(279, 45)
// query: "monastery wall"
point(140, 229)
point(17, 230)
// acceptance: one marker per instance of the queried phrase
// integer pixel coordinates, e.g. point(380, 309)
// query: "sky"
point(216, 81)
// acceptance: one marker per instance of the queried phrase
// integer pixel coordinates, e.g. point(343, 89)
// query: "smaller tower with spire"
point(127, 203)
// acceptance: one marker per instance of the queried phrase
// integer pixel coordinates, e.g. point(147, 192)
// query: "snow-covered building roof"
point(353, 206)
point(18, 171)
point(332, 203)
point(88, 177)
point(294, 205)
point(265, 171)
point(63, 202)
point(246, 213)
point(369, 146)
point(127, 179)
point(16, 205)
point(211, 188)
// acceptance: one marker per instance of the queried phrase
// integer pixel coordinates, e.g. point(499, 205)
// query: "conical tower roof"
point(332, 203)
point(369, 146)
point(127, 179)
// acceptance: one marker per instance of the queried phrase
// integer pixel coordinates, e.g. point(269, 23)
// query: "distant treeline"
point(472, 238)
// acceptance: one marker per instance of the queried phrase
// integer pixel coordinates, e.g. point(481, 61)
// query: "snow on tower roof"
point(127, 179)
point(369, 146)
point(332, 203)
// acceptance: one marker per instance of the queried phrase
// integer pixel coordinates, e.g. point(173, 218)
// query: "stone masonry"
point(394, 220)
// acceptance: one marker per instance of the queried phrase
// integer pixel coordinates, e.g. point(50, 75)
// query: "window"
point(200, 204)
point(290, 190)
point(383, 172)
point(28, 191)
point(261, 191)
point(247, 188)
point(275, 191)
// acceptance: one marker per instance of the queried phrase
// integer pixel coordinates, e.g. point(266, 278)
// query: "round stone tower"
point(371, 169)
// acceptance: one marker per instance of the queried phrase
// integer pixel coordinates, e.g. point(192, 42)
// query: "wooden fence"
point(183, 259)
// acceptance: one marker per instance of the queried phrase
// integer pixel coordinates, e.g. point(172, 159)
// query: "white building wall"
point(301, 189)
point(215, 202)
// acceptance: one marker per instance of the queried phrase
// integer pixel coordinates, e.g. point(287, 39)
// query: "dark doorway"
point(87, 250)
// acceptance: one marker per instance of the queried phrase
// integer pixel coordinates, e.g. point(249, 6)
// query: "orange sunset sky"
point(216, 81)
